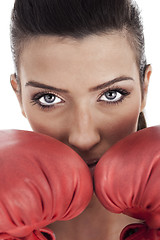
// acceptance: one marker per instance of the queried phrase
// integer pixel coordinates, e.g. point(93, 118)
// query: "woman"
point(81, 77)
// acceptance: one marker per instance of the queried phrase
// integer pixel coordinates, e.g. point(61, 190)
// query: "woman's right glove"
point(41, 181)
point(127, 180)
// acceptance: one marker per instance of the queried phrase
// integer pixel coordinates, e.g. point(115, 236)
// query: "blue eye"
point(113, 96)
point(46, 100)
point(49, 99)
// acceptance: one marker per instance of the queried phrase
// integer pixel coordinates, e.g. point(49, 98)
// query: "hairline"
point(128, 34)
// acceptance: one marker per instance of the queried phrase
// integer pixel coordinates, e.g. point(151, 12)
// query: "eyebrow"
point(98, 87)
point(44, 86)
point(109, 83)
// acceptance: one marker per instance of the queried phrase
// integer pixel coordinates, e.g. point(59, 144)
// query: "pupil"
point(49, 98)
point(111, 95)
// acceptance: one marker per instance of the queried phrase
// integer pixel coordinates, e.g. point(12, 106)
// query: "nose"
point(83, 134)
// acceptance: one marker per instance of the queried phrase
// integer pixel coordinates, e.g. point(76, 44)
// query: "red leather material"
point(127, 178)
point(42, 180)
point(139, 232)
point(134, 231)
point(41, 234)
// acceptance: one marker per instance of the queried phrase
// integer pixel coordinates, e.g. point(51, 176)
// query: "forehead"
point(90, 44)
point(49, 57)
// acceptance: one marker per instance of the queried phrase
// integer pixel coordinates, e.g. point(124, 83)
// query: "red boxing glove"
point(139, 231)
point(41, 181)
point(127, 180)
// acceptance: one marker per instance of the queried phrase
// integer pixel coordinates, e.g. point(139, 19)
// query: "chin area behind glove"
point(127, 179)
point(42, 180)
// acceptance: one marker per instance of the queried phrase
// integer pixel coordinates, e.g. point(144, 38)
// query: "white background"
point(10, 114)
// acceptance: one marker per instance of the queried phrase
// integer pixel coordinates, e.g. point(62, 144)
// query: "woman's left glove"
point(127, 180)
point(41, 181)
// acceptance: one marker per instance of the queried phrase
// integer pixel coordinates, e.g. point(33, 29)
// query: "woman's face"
point(86, 93)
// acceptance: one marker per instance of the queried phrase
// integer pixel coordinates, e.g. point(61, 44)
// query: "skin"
point(83, 116)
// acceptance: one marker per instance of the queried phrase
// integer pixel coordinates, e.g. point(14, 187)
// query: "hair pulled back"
point(78, 19)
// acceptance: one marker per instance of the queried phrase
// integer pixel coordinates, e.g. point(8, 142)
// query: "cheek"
point(46, 122)
point(121, 124)
point(43, 121)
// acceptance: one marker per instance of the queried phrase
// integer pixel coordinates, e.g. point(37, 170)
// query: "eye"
point(46, 100)
point(49, 99)
point(113, 96)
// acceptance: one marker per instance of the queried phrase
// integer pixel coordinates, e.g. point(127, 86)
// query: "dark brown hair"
point(78, 19)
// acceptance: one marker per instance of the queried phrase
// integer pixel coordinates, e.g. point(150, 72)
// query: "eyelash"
point(122, 91)
point(35, 100)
